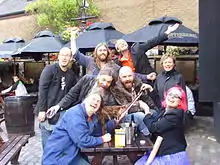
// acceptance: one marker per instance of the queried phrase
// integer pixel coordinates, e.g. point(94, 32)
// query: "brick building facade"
point(126, 15)
point(24, 26)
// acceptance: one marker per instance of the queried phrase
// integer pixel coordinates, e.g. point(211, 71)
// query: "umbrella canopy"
point(43, 42)
point(96, 33)
point(9, 46)
point(183, 36)
point(101, 25)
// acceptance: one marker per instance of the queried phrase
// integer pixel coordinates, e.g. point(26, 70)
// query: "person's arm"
point(191, 102)
point(143, 77)
point(73, 95)
point(80, 57)
point(79, 132)
point(11, 88)
point(44, 83)
point(141, 48)
point(167, 122)
point(6, 90)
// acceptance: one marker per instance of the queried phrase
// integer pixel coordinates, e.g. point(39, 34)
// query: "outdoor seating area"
point(35, 55)
point(103, 82)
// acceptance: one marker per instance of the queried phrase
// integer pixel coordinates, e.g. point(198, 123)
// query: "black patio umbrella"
point(99, 32)
point(9, 46)
point(183, 36)
point(43, 42)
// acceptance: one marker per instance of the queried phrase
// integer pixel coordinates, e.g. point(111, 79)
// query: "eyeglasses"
point(175, 95)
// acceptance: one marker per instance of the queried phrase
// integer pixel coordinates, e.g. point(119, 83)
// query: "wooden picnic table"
point(10, 150)
point(133, 151)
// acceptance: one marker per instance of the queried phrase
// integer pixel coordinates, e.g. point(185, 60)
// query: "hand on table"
point(107, 137)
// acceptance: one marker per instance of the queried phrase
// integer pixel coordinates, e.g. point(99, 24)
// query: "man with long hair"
point(101, 56)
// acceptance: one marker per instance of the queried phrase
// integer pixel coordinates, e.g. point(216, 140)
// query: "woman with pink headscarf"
point(169, 125)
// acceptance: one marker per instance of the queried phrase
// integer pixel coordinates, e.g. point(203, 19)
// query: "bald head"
point(65, 50)
point(124, 70)
point(64, 57)
point(126, 77)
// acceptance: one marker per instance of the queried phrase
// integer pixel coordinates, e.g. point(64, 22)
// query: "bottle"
point(132, 121)
point(133, 128)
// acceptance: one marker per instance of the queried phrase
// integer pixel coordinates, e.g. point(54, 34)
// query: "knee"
point(139, 115)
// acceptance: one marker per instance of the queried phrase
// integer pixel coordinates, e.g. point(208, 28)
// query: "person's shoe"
point(189, 115)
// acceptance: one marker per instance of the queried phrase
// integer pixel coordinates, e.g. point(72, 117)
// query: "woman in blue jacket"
point(73, 132)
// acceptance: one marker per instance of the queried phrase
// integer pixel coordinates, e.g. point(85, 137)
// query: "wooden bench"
point(11, 149)
point(133, 151)
point(2, 118)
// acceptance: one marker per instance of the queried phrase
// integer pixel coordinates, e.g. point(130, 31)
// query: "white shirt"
point(190, 100)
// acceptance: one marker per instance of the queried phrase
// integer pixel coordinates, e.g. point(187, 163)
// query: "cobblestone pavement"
point(202, 146)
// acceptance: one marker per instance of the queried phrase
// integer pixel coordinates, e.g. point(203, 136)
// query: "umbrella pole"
point(165, 49)
point(14, 66)
point(48, 56)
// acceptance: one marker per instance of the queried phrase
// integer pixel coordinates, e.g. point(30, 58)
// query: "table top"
point(110, 146)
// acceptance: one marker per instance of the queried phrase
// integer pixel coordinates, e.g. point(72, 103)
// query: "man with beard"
point(86, 85)
point(101, 56)
point(126, 89)
point(136, 57)
point(102, 84)
point(55, 81)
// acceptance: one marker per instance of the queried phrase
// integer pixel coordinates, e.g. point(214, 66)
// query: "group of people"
point(78, 113)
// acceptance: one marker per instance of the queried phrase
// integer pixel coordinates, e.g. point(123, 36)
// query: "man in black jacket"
point(136, 57)
point(55, 81)
point(84, 86)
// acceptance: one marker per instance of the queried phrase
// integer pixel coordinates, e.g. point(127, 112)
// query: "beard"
point(128, 85)
point(102, 57)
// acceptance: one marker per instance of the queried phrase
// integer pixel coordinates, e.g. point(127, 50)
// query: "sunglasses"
point(174, 95)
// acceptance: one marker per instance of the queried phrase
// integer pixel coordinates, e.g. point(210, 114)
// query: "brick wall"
point(130, 15)
point(24, 26)
point(126, 15)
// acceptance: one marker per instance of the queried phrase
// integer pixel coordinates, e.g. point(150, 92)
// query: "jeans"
point(46, 129)
point(138, 119)
point(79, 160)
point(44, 134)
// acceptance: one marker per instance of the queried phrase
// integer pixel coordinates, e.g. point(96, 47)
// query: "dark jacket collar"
point(170, 73)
